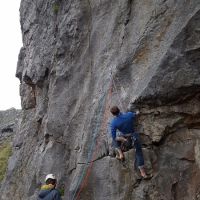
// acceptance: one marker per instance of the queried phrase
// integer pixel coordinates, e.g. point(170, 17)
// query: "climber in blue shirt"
point(124, 123)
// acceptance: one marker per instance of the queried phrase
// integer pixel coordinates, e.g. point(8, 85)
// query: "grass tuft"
point(5, 153)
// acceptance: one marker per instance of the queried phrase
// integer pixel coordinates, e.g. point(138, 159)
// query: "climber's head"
point(115, 110)
point(51, 179)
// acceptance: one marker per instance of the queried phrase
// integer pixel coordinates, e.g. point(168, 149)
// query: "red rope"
point(103, 126)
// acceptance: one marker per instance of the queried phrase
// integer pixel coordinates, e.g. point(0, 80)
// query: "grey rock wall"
point(9, 121)
point(79, 58)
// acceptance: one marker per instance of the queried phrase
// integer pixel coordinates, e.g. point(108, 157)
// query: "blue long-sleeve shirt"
point(124, 122)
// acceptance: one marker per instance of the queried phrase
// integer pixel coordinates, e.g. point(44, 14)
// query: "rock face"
point(79, 58)
point(8, 123)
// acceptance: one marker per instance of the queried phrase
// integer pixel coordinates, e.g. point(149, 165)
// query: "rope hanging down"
point(90, 154)
point(104, 108)
point(89, 169)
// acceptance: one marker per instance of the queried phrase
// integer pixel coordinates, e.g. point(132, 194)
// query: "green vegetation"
point(55, 8)
point(62, 192)
point(5, 153)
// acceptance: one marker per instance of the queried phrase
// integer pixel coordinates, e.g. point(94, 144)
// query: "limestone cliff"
point(80, 57)
point(9, 120)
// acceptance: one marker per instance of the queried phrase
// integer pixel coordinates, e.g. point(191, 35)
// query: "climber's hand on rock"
point(137, 112)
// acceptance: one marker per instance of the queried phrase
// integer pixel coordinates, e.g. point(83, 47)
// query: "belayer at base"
point(48, 191)
point(124, 122)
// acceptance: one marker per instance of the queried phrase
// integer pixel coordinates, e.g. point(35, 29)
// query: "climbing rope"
point(91, 155)
point(105, 118)
point(105, 103)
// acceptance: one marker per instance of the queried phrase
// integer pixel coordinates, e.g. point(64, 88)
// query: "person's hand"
point(125, 140)
point(137, 112)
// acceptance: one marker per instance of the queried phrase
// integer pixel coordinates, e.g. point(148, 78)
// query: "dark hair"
point(51, 181)
point(115, 110)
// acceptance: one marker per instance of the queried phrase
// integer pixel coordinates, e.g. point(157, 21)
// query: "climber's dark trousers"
point(139, 159)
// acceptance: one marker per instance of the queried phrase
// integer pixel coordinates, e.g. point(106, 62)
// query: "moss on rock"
point(5, 153)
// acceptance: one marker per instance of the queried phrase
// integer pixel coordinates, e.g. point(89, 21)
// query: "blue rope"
point(96, 131)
